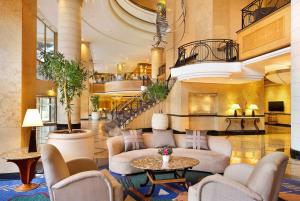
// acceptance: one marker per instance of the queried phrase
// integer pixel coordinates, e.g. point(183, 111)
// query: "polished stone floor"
point(246, 148)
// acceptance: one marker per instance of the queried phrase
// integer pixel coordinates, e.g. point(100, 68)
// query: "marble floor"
point(246, 148)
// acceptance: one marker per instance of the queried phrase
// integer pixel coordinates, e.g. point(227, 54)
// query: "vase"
point(166, 158)
point(160, 121)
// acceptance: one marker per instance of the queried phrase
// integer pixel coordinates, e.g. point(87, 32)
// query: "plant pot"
point(95, 115)
point(160, 121)
point(166, 158)
point(74, 145)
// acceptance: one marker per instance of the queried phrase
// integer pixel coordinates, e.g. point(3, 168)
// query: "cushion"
point(133, 140)
point(196, 139)
point(163, 138)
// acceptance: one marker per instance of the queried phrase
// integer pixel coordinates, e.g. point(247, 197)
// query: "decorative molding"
point(267, 56)
point(263, 36)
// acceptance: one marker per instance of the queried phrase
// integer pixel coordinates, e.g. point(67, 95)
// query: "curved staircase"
point(124, 113)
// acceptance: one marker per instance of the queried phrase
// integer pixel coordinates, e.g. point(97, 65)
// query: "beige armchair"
point(243, 182)
point(77, 180)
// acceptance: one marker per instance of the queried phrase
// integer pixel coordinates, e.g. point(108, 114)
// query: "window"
point(45, 42)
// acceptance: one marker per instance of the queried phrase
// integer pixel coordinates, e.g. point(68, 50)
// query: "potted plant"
point(95, 105)
point(157, 92)
point(166, 153)
point(69, 77)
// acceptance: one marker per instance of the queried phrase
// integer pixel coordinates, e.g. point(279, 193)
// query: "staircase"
point(124, 113)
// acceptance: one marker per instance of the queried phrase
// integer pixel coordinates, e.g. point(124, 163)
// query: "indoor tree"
point(68, 76)
point(95, 102)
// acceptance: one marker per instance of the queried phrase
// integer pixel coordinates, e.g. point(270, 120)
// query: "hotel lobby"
point(150, 100)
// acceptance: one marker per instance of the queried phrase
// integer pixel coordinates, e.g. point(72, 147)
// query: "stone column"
point(157, 60)
point(295, 83)
point(69, 44)
point(18, 73)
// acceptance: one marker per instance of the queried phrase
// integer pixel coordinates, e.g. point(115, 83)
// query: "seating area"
point(217, 158)
point(149, 100)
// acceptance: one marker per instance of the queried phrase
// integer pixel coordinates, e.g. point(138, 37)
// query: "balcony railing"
point(102, 78)
point(259, 9)
point(210, 50)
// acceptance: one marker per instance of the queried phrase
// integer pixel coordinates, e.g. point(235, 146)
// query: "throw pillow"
point(163, 138)
point(133, 140)
point(196, 139)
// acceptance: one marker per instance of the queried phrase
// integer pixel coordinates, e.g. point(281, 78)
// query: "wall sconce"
point(235, 107)
point(253, 107)
point(51, 92)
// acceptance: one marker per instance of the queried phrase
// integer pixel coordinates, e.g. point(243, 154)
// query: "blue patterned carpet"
point(290, 190)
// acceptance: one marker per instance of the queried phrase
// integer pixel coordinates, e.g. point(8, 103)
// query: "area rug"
point(290, 189)
point(7, 193)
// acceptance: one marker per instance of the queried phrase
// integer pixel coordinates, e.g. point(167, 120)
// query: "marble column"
point(157, 60)
point(18, 73)
point(69, 44)
point(295, 82)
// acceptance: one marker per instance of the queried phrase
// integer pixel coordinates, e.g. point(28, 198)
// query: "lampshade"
point(32, 118)
point(253, 107)
point(235, 106)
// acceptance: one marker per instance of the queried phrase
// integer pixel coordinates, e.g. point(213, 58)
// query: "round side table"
point(26, 163)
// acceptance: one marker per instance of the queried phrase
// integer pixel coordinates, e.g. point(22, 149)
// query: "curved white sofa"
point(214, 160)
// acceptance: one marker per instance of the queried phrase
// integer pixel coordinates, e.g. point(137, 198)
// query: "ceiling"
point(115, 36)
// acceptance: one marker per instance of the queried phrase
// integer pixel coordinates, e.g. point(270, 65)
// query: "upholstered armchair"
point(77, 180)
point(243, 182)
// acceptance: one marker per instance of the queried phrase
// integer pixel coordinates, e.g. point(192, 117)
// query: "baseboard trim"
point(218, 133)
point(282, 125)
point(65, 126)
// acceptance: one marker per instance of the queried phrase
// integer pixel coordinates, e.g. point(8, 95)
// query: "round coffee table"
point(154, 165)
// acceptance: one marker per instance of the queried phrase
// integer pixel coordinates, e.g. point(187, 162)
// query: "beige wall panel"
point(279, 93)
point(125, 85)
point(271, 33)
point(29, 10)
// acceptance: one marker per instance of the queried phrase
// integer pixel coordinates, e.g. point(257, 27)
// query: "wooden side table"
point(26, 163)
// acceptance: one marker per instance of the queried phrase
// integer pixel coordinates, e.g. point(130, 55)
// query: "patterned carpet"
point(290, 189)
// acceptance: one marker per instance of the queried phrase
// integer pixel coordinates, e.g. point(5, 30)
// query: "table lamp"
point(253, 107)
point(32, 119)
point(235, 107)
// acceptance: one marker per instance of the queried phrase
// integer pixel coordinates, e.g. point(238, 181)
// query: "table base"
point(178, 178)
point(26, 187)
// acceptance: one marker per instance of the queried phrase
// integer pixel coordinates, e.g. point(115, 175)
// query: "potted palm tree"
point(157, 92)
point(95, 105)
point(69, 77)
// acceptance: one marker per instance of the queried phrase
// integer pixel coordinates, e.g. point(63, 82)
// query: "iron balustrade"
point(102, 78)
point(259, 9)
point(208, 51)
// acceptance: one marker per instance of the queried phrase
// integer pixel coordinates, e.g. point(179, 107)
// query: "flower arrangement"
point(165, 151)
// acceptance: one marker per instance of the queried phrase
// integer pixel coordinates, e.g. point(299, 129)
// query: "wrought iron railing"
point(259, 9)
point(102, 78)
point(124, 113)
point(208, 51)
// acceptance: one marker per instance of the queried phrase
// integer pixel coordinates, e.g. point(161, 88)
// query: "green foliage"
point(157, 91)
point(95, 102)
point(68, 76)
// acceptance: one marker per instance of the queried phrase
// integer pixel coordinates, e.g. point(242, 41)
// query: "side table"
point(26, 163)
